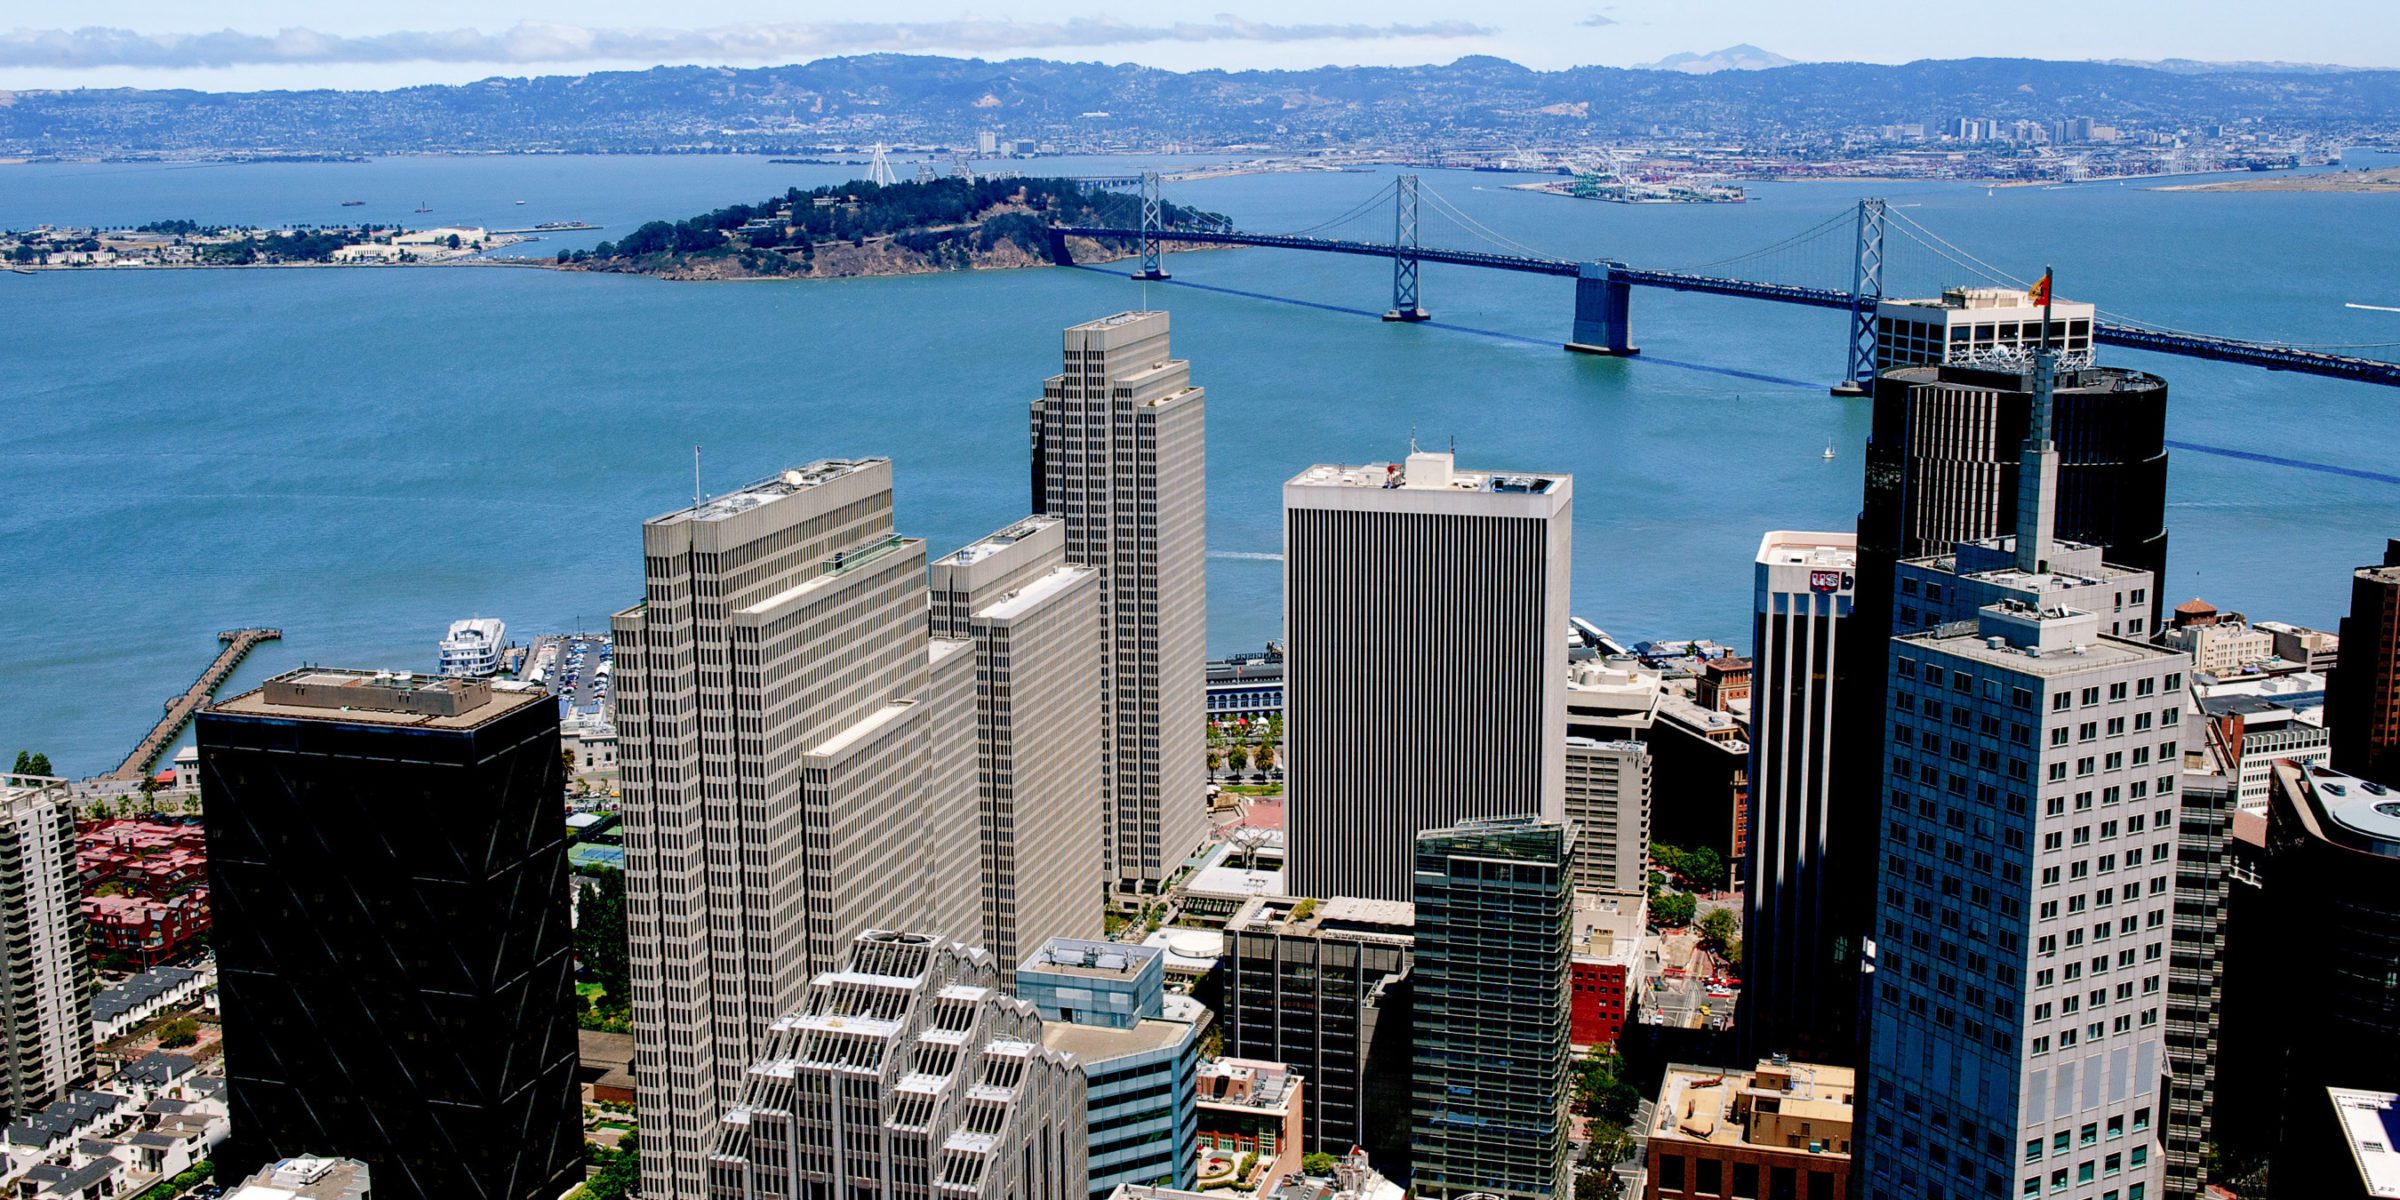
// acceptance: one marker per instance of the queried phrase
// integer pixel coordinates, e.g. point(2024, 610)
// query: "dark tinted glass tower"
point(387, 861)
point(2362, 705)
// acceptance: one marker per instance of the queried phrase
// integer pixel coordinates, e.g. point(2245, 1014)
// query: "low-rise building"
point(1608, 981)
point(123, 1006)
point(1251, 1107)
point(306, 1178)
point(1780, 1130)
point(2314, 649)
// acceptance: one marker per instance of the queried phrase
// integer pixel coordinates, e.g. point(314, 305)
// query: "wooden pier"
point(180, 710)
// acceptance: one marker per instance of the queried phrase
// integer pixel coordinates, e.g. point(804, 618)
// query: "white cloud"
point(549, 42)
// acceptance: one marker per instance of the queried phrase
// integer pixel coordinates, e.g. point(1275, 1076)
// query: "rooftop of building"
point(2072, 565)
point(1341, 915)
point(397, 698)
point(1190, 951)
point(2081, 380)
point(1091, 959)
point(305, 1178)
point(1609, 928)
point(774, 487)
point(1035, 593)
point(1721, 1107)
point(1427, 471)
point(1116, 320)
point(1796, 548)
point(2371, 1125)
point(1982, 298)
point(2358, 813)
point(1097, 1045)
point(1976, 641)
point(1247, 1083)
point(993, 543)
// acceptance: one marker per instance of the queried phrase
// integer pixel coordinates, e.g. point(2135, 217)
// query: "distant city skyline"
point(259, 44)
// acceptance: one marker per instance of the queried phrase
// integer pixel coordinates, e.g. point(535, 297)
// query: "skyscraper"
point(46, 978)
point(2016, 1043)
point(906, 1072)
point(1315, 985)
point(2362, 704)
point(1799, 965)
point(2332, 881)
point(798, 766)
point(1608, 803)
point(389, 881)
point(1495, 915)
point(1425, 611)
point(1118, 456)
point(1035, 623)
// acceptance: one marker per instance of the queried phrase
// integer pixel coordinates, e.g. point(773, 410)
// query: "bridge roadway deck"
point(238, 645)
point(2190, 345)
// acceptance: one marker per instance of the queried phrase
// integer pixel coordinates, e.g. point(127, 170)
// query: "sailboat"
point(424, 207)
point(1829, 449)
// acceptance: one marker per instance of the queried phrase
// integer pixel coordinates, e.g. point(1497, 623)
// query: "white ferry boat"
point(473, 648)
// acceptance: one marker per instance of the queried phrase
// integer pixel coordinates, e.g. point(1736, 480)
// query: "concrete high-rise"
point(1608, 803)
point(394, 953)
point(907, 1072)
point(1495, 920)
point(1035, 624)
point(46, 978)
point(798, 765)
point(2016, 1043)
point(2362, 702)
point(1118, 455)
point(1425, 618)
point(1799, 965)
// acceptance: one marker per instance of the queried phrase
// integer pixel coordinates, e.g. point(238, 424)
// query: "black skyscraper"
point(388, 871)
point(1942, 459)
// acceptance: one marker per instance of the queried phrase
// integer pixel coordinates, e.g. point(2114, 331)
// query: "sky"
point(236, 45)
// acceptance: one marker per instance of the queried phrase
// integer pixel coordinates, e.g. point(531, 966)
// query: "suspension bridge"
point(1859, 240)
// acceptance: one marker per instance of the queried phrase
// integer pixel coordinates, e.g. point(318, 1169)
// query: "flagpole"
point(2049, 291)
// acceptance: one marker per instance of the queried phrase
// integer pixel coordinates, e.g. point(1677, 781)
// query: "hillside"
point(922, 100)
point(859, 228)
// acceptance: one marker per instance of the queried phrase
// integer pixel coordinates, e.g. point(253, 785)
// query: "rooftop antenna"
point(1412, 439)
point(1454, 445)
point(695, 475)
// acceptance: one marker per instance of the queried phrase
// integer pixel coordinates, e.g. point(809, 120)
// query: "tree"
point(454, 242)
point(600, 941)
point(1705, 867)
point(1238, 758)
point(180, 1032)
point(1317, 1164)
point(1673, 909)
point(33, 763)
point(1265, 758)
point(1719, 929)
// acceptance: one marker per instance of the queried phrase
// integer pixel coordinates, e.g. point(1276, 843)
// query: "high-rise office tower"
point(1425, 618)
point(1035, 624)
point(2016, 1042)
point(1495, 919)
point(1118, 455)
point(2332, 884)
point(1608, 803)
point(798, 764)
point(906, 1072)
point(2362, 703)
point(394, 952)
point(1317, 986)
point(1106, 1004)
point(46, 978)
point(1800, 967)
point(2195, 1014)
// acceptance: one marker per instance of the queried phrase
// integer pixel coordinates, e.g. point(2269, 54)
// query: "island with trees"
point(862, 228)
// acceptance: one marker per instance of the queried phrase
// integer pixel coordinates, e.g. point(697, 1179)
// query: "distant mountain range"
point(946, 101)
point(1744, 57)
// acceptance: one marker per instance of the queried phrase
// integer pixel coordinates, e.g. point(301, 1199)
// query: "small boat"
point(352, 203)
point(1829, 449)
point(520, 202)
point(423, 207)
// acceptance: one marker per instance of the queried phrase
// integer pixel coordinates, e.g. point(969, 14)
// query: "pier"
point(180, 710)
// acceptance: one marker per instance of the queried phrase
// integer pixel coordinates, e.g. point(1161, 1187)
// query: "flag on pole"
point(2040, 294)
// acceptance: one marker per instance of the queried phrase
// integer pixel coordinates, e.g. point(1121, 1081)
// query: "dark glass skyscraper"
point(387, 864)
point(2362, 705)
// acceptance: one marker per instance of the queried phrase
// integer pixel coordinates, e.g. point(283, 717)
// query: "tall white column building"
point(798, 766)
point(1035, 624)
point(1425, 615)
point(1118, 456)
point(46, 977)
point(1799, 959)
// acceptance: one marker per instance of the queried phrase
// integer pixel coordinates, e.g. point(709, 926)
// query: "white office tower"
point(1425, 616)
point(798, 766)
point(46, 978)
point(1035, 624)
point(1118, 456)
point(1798, 956)
point(906, 1072)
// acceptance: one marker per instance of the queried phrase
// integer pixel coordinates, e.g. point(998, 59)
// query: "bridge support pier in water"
point(1603, 309)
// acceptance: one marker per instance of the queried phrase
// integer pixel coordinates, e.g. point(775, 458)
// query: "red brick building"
point(1605, 972)
point(145, 887)
point(146, 931)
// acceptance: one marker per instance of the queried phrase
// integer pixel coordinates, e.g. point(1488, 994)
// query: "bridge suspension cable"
point(1831, 224)
point(1362, 208)
point(1442, 205)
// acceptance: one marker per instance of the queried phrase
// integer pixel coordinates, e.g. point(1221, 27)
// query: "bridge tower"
point(1866, 294)
point(1603, 311)
point(879, 168)
point(1152, 222)
point(1404, 253)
